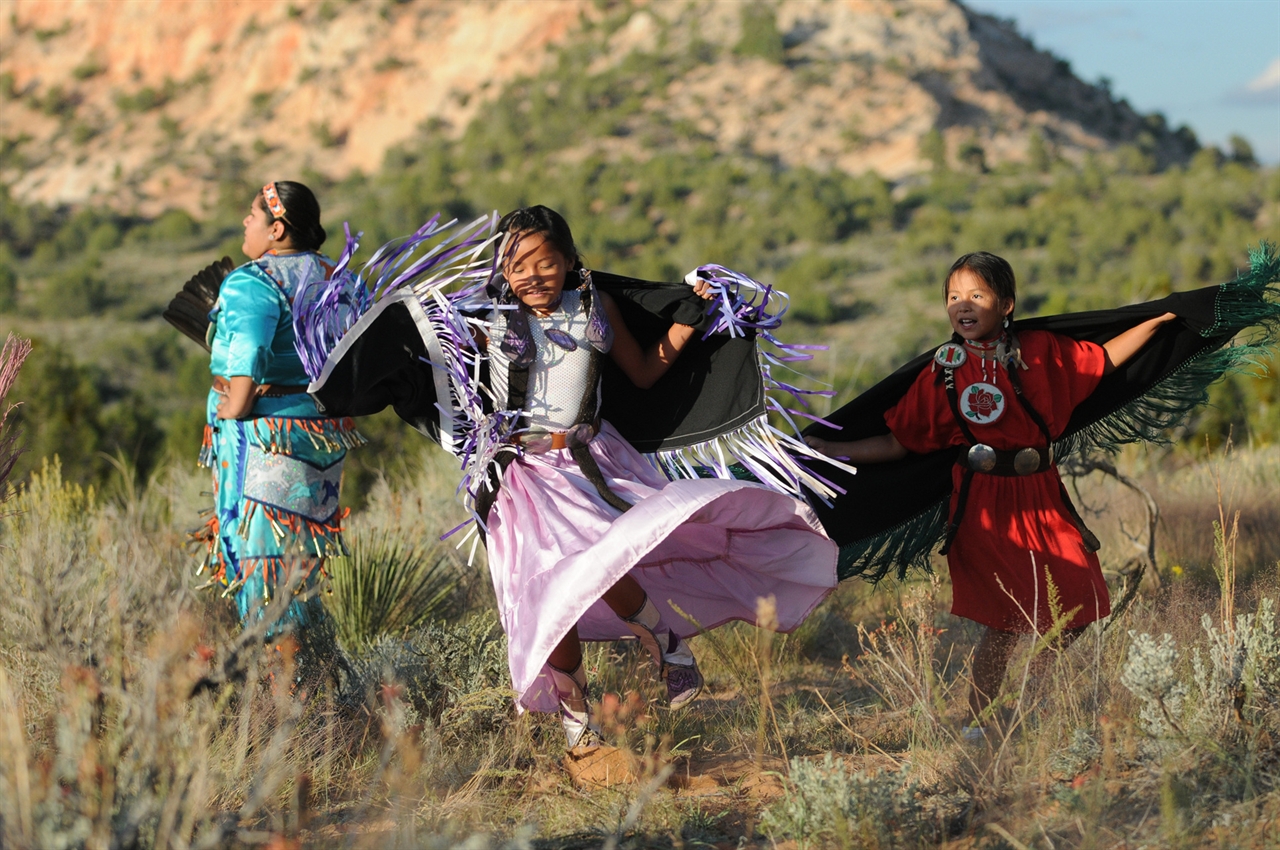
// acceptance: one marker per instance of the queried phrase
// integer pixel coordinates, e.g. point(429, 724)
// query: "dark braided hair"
point(302, 215)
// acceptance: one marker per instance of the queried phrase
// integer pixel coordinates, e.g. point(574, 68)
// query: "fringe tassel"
point(908, 545)
point(316, 541)
point(206, 448)
point(207, 536)
point(326, 435)
point(275, 571)
point(765, 453)
point(320, 539)
point(327, 309)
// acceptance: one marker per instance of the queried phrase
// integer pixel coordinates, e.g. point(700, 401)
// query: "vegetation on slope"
point(109, 377)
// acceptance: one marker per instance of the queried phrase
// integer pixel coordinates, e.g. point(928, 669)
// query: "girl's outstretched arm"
point(644, 368)
point(869, 450)
point(1119, 349)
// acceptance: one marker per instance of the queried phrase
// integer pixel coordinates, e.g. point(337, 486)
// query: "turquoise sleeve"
point(247, 321)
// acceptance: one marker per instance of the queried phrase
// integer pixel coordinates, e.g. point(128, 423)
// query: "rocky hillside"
point(148, 104)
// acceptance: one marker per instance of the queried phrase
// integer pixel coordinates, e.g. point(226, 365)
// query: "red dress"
point(1015, 529)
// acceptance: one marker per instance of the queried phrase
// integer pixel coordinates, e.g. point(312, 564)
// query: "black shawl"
point(713, 388)
point(892, 515)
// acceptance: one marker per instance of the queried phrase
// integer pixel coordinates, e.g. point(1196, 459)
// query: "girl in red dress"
point(1013, 529)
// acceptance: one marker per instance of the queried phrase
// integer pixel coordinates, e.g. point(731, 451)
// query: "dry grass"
point(133, 714)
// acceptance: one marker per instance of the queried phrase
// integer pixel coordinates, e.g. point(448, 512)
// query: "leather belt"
point(223, 385)
point(1007, 462)
point(540, 442)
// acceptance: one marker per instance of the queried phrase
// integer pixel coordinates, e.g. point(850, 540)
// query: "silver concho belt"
point(1028, 461)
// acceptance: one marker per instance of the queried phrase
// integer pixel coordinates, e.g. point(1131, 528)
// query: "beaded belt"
point(983, 458)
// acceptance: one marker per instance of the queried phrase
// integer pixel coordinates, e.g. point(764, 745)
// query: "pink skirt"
point(711, 547)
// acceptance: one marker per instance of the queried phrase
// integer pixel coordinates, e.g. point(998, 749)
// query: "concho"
point(561, 338)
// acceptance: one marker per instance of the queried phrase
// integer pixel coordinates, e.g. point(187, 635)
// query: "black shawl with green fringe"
point(892, 515)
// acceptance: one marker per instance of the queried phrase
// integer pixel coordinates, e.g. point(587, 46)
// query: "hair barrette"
point(272, 199)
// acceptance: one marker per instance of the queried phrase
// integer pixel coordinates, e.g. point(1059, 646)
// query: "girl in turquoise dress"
point(276, 461)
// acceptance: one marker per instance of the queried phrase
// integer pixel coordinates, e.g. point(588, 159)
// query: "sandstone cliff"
point(145, 104)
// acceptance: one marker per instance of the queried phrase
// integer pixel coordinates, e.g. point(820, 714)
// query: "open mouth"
point(967, 323)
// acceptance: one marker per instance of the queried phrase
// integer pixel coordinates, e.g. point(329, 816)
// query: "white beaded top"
point(557, 378)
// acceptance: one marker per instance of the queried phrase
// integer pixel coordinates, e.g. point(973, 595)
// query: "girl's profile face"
point(536, 272)
point(976, 313)
point(258, 230)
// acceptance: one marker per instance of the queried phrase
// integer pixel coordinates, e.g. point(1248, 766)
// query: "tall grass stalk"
point(1225, 539)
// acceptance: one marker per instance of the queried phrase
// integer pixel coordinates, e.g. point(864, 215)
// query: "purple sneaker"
point(684, 683)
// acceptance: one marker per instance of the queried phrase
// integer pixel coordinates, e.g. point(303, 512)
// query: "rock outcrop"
point(147, 104)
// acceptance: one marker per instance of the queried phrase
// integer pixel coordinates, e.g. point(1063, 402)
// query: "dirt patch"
point(600, 767)
point(759, 779)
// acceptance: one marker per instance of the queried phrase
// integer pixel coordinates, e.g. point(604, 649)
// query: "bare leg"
point(990, 661)
point(568, 653)
point(1063, 641)
point(625, 597)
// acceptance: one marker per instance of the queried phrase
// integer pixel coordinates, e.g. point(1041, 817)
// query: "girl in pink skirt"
point(587, 539)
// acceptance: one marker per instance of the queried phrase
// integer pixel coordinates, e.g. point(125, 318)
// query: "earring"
point(271, 237)
point(1006, 323)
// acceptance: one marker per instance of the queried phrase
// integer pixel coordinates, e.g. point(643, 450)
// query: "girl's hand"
point(701, 288)
point(817, 444)
point(237, 401)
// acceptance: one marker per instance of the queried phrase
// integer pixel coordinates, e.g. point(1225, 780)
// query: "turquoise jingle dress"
point(277, 472)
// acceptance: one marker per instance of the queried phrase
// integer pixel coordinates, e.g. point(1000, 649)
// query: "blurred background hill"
point(845, 150)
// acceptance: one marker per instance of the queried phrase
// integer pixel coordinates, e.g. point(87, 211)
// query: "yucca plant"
point(386, 586)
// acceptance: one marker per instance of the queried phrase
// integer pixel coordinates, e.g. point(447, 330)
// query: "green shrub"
point(8, 280)
point(146, 98)
point(73, 412)
point(454, 673)
point(260, 103)
point(58, 102)
point(87, 69)
point(82, 132)
point(810, 281)
point(760, 36)
point(75, 292)
point(829, 803)
point(104, 237)
point(170, 226)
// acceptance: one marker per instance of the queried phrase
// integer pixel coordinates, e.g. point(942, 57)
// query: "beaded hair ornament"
point(272, 199)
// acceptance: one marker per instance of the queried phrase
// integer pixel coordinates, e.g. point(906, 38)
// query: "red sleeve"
point(921, 421)
point(1074, 368)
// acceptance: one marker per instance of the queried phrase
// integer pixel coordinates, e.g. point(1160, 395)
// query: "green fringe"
point(1246, 302)
point(907, 545)
point(1240, 304)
